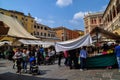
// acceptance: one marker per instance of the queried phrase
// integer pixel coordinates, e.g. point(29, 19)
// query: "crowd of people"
point(30, 55)
point(74, 59)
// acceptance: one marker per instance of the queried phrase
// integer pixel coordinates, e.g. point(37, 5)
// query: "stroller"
point(34, 69)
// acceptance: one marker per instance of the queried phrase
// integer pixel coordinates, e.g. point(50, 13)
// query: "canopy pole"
point(97, 32)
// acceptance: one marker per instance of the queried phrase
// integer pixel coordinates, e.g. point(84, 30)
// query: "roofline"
point(93, 14)
point(107, 7)
point(61, 27)
point(14, 11)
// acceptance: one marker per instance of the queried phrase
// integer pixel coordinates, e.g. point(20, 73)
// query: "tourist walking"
point(24, 60)
point(83, 56)
point(18, 58)
point(72, 59)
point(66, 58)
point(117, 53)
point(59, 58)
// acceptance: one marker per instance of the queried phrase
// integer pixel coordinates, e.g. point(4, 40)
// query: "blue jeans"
point(118, 60)
point(24, 65)
point(82, 63)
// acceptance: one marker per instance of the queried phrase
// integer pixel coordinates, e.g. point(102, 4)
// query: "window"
point(114, 14)
point(41, 34)
point(118, 6)
point(22, 18)
point(94, 21)
point(45, 28)
point(38, 27)
point(86, 22)
point(48, 35)
point(110, 16)
point(100, 20)
point(91, 21)
point(44, 34)
point(41, 27)
point(34, 26)
point(26, 19)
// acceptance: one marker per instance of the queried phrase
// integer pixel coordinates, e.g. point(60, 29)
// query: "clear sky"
point(55, 13)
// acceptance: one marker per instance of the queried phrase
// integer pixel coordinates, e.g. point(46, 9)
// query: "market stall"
point(97, 55)
point(104, 55)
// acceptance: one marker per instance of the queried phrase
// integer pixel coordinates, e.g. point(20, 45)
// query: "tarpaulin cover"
point(73, 44)
point(15, 28)
point(36, 42)
point(101, 61)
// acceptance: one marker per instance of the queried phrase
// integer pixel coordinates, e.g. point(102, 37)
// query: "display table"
point(101, 61)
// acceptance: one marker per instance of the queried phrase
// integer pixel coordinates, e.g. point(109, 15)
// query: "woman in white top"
point(18, 57)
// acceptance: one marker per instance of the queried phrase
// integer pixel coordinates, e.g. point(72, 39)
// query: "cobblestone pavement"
point(54, 72)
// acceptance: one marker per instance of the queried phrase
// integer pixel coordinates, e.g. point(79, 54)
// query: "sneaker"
point(81, 69)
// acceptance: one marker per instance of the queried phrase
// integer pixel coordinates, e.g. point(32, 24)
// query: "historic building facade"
point(38, 30)
point(111, 17)
point(66, 34)
point(81, 32)
point(92, 20)
point(44, 32)
point(26, 20)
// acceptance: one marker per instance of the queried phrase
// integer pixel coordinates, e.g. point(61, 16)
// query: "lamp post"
point(97, 33)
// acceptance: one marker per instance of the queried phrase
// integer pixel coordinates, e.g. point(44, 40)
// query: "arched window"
point(34, 26)
point(94, 21)
point(45, 28)
point(118, 6)
point(48, 35)
point(41, 27)
point(38, 27)
point(100, 20)
point(44, 34)
point(110, 16)
point(114, 13)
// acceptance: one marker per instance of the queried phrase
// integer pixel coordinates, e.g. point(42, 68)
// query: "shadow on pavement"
point(2, 65)
point(42, 72)
point(13, 76)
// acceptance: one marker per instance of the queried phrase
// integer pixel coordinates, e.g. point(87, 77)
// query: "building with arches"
point(92, 20)
point(111, 17)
